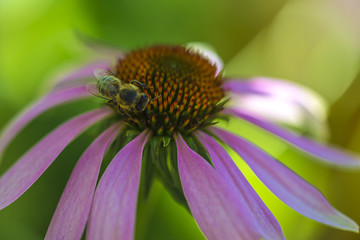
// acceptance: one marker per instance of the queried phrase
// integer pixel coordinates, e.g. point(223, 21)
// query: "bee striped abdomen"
point(108, 86)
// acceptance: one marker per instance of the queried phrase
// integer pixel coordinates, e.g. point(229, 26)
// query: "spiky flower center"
point(183, 83)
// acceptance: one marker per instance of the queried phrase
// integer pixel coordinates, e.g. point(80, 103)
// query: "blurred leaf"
point(227, 25)
point(33, 42)
point(345, 117)
point(310, 42)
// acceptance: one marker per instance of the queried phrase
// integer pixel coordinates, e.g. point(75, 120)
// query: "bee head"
point(143, 102)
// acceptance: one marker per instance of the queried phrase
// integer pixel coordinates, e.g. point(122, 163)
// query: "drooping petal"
point(277, 88)
point(243, 86)
point(328, 155)
point(218, 210)
point(52, 99)
point(267, 223)
point(73, 208)
point(286, 185)
point(114, 206)
point(33, 163)
point(281, 102)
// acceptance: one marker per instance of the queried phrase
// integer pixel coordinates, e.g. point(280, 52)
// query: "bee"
point(127, 96)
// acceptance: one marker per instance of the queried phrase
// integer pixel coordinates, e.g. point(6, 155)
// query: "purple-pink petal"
point(277, 88)
point(52, 99)
point(218, 210)
point(82, 73)
point(281, 102)
point(239, 86)
point(267, 223)
point(286, 185)
point(328, 155)
point(114, 206)
point(31, 165)
point(73, 209)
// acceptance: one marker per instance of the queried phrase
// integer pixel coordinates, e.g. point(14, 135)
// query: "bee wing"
point(100, 72)
point(92, 88)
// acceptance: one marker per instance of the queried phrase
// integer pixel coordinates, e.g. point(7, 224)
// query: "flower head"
point(185, 89)
point(163, 103)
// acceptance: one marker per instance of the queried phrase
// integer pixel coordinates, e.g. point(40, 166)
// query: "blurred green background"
point(312, 42)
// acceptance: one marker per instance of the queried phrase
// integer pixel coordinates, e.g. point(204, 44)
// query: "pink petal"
point(277, 88)
point(114, 207)
point(281, 102)
point(224, 165)
point(30, 167)
point(326, 154)
point(73, 209)
point(285, 184)
point(82, 73)
point(45, 103)
point(218, 210)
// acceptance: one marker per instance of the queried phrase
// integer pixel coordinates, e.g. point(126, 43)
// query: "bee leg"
point(139, 84)
point(124, 113)
point(155, 98)
point(111, 103)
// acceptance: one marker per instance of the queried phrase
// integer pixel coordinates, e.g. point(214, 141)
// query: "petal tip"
point(347, 224)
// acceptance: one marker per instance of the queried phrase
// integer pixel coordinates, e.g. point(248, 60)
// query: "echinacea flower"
point(175, 139)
